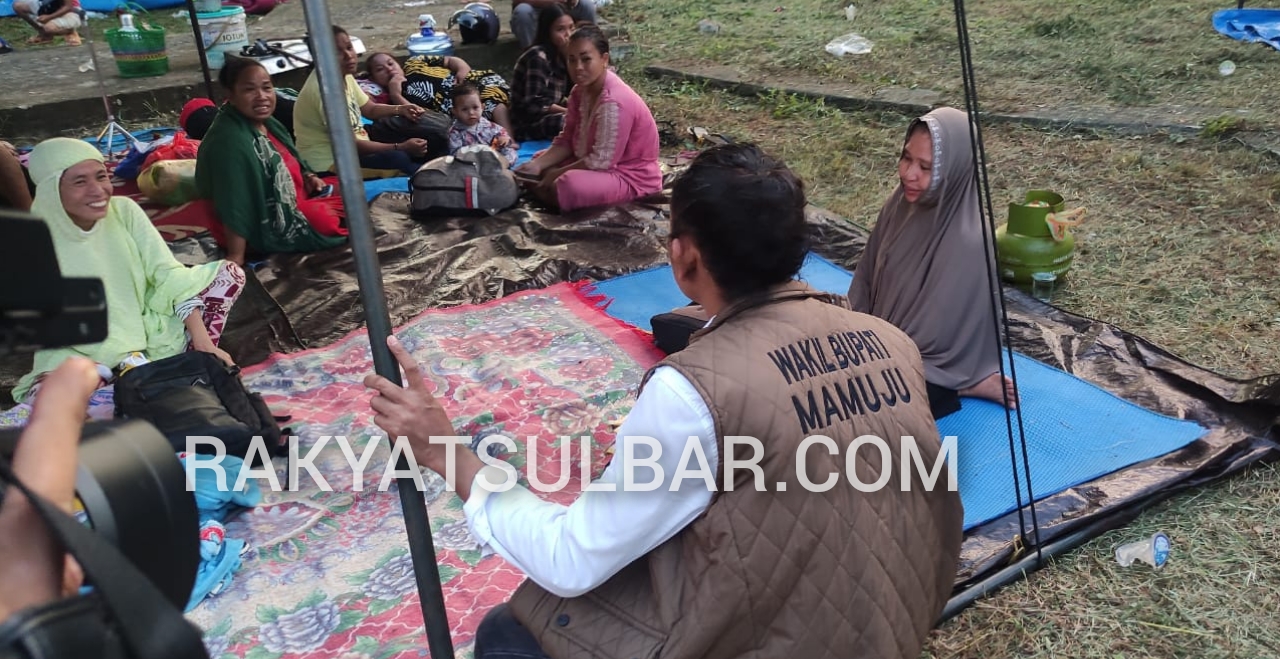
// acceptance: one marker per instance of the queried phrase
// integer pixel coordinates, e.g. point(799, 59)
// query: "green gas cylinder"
point(1026, 244)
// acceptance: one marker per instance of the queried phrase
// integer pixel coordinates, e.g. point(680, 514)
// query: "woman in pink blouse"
point(607, 153)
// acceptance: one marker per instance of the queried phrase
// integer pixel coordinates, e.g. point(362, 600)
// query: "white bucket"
point(223, 31)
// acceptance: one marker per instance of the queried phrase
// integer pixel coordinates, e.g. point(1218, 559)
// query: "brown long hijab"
point(923, 268)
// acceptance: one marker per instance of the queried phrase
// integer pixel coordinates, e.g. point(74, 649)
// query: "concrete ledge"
point(45, 94)
point(1265, 143)
point(139, 100)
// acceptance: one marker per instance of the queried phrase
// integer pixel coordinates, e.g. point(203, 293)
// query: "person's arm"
point(612, 128)
point(553, 155)
point(311, 183)
point(154, 255)
point(32, 561)
point(66, 8)
point(532, 88)
point(538, 4)
point(174, 287)
point(569, 550)
point(859, 295)
point(415, 146)
point(561, 147)
point(236, 245)
point(459, 67)
point(375, 111)
point(200, 340)
point(13, 183)
point(395, 92)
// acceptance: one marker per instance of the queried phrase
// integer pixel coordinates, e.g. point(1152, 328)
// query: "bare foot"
point(990, 389)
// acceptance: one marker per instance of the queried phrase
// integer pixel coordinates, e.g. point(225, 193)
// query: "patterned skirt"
point(428, 83)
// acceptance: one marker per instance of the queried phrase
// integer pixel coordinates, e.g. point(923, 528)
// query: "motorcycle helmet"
point(477, 23)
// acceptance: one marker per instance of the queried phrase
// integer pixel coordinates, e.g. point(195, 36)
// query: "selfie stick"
point(324, 52)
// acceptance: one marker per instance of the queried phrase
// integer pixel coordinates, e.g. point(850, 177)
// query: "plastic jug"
point(427, 41)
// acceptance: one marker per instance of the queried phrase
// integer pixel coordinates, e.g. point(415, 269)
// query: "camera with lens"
point(135, 531)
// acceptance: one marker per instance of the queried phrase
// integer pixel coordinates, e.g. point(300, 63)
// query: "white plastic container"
point(223, 31)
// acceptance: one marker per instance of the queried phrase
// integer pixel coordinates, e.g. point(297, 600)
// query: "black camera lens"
point(133, 491)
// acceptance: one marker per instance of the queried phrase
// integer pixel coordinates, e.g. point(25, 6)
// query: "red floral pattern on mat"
point(328, 574)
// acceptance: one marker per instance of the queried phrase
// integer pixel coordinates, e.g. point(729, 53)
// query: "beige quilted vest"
point(788, 574)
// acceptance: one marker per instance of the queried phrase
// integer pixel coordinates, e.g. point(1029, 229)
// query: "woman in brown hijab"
point(924, 271)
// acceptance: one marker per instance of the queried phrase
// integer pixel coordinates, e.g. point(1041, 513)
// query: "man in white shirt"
point(706, 565)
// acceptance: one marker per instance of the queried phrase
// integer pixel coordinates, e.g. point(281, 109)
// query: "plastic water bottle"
point(1153, 551)
point(426, 41)
point(126, 23)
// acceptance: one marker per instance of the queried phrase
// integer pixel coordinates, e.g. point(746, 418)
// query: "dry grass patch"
point(1182, 238)
point(1028, 53)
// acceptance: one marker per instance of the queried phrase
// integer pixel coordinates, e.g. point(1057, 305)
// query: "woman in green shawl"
point(267, 199)
point(156, 307)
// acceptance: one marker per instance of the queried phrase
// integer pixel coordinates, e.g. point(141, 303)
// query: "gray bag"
point(473, 181)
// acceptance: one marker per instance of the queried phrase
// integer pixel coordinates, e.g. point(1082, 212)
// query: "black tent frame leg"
point(204, 59)
point(422, 550)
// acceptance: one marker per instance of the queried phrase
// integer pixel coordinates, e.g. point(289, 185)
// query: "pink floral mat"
point(328, 574)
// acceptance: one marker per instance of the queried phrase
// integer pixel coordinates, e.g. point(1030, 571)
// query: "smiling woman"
point(266, 197)
point(152, 299)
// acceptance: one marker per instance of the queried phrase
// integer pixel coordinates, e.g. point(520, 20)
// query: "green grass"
point(1028, 54)
point(1180, 242)
point(1181, 245)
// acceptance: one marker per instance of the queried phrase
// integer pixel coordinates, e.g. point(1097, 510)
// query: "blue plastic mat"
point(401, 183)
point(1249, 25)
point(378, 186)
point(1075, 431)
point(528, 149)
point(639, 296)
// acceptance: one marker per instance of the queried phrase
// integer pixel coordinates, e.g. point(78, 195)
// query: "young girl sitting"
point(471, 128)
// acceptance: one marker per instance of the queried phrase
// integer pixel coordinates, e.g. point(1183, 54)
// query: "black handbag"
point(194, 394)
point(671, 330)
point(125, 616)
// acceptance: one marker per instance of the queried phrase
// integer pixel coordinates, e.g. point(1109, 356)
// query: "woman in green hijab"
point(152, 299)
point(267, 199)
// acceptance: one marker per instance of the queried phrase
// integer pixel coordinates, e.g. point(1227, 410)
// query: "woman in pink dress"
point(607, 153)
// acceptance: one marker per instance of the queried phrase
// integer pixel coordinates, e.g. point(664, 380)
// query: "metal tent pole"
point(204, 60)
point(324, 53)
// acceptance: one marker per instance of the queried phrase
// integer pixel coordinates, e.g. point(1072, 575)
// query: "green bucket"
point(139, 52)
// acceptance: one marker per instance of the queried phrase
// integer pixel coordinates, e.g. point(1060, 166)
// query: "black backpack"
point(195, 394)
point(475, 181)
